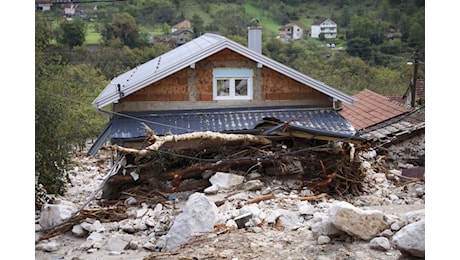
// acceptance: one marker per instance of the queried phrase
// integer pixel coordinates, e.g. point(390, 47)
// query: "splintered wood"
point(324, 167)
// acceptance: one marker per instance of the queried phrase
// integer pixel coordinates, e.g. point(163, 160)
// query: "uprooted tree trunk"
point(157, 141)
point(322, 170)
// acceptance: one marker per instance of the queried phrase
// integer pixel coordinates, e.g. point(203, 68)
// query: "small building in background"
point(43, 5)
point(184, 25)
point(291, 31)
point(325, 27)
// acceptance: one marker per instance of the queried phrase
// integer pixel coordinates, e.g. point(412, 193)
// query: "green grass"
point(270, 26)
point(192, 8)
point(92, 36)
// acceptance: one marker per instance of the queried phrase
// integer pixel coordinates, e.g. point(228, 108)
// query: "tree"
point(43, 33)
point(198, 25)
point(364, 27)
point(51, 151)
point(72, 32)
point(124, 28)
point(360, 47)
point(64, 117)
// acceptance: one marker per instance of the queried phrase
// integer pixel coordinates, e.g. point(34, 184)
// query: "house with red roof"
point(382, 120)
point(183, 25)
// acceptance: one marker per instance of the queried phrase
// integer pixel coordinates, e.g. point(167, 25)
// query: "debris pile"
point(236, 199)
point(175, 163)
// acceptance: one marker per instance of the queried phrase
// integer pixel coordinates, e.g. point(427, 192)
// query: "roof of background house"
point(370, 109)
point(181, 31)
point(320, 21)
point(289, 25)
point(192, 52)
point(185, 24)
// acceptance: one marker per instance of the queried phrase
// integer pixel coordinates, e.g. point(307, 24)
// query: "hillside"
point(364, 57)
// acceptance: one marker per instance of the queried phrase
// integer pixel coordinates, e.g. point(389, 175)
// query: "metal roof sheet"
point(190, 53)
point(128, 126)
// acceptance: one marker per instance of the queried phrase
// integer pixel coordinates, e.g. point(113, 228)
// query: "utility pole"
point(414, 81)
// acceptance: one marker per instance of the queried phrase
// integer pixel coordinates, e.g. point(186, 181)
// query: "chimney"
point(255, 38)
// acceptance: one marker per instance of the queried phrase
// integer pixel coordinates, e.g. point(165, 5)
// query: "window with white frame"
point(232, 84)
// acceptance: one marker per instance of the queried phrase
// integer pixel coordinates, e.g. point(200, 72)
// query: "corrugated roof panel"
point(221, 120)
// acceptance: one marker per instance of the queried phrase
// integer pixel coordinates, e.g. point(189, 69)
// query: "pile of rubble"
point(237, 217)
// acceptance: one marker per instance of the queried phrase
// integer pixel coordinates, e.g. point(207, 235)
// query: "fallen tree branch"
point(157, 141)
point(261, 198)
point(272, 196)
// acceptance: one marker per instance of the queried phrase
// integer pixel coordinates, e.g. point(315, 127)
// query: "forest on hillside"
point(76, 58)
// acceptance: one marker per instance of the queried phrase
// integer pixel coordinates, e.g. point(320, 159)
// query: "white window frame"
point(231, 75)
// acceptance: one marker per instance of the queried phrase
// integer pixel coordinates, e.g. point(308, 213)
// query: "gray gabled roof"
point(190, 53)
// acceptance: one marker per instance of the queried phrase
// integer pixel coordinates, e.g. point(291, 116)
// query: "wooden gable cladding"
point(193, 86)
point(171, 88)
point(227, 55)
point(277, 86)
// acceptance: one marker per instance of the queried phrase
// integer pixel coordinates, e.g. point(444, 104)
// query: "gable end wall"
point(193, 88)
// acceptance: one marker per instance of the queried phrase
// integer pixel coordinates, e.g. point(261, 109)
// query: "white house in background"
point(324, 26)
point(291, 31)
point(69, 10)
point(43, 5)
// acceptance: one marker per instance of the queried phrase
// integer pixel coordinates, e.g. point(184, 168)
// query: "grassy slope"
point(92, 36)
point(270, 26)
point(192, 7)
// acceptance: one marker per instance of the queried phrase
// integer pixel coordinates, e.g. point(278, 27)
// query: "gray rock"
point(253, 185)
point(395, 227)
point(95, 236)
point(411, 239)
point(323, 240)
point(78, 231)
point(127, 226)
point(199, 216)
point(52, 215)
point(226, 180)
point(86, 226)
point(149, 246)
point(51, 246)
point(386, 233)
point(285, 218)
point(322, 225)
point(118, 242)
point(380, 243)
point(364, 224)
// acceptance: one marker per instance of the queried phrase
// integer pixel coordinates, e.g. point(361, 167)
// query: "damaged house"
point(212, 105)
point(394, 129)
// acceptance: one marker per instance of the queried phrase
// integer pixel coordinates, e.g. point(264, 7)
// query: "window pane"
point(241, 87)
point(223, 87)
